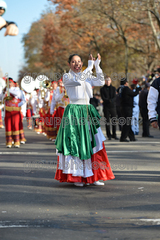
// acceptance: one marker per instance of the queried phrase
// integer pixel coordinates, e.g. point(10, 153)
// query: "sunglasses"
point(1, 8)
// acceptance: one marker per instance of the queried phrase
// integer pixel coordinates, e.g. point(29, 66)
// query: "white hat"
point(3, 5)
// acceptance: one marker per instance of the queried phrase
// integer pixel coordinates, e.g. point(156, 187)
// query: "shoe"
point(149, 136)
point(87, 184)
point(8, 146)
point(109, 138)
point(38, 132)
point(98, 183)
point(115, 137)
point(78, 184)
point(44, 134)
point(53, 140)
point(133, 140)
point(22, 142)
point(16, 146)
point(124, 140)
point(2, 127)
point(29, 127)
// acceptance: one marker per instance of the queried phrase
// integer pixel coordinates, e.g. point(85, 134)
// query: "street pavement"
point(35, 206)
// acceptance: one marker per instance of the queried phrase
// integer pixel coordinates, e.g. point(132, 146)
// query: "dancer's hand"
point(99, 56)
point(91, 57)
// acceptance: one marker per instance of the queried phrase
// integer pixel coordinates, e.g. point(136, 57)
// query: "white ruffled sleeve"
point(152, 100)
point(68, 81)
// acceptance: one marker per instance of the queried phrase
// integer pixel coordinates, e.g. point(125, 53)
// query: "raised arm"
point(97, 80)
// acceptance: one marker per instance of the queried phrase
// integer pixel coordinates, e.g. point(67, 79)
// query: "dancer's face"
point(76, 64)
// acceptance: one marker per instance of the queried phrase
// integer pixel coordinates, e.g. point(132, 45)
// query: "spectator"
point(126, 110)
point(135, 113)
point(94, 101)
point(100, 106)
point(108, 95)
point(144, 111)
point(118, 107)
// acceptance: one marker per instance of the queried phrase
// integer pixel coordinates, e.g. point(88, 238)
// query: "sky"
point(23, 13)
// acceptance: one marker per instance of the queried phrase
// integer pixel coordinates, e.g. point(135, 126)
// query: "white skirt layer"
point(77, 167)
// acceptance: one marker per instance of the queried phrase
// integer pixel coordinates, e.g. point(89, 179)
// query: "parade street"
point(35, 206)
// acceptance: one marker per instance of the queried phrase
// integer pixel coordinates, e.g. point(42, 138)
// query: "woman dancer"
point(82, 158)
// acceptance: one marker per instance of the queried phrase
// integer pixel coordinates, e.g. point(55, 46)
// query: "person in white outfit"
point(135, 111)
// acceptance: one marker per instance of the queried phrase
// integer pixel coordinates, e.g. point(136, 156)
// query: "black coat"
point(127, 96)
point(108, 95)
point(94, 101)
point(143, 98)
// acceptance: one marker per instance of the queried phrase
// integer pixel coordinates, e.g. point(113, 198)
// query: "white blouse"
point(79, 85)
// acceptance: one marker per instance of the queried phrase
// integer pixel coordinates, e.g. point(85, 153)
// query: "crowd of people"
point(126, 107)
point(43, 110)
point(64, 111)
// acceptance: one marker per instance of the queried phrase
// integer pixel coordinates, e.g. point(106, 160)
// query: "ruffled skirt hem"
point(100, 167)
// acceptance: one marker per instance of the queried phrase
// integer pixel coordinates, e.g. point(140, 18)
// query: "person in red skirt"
point(28, 110)
point(1, 107)
point(51, 129)
point(82, 158)
point(62, 101)
point(1, 102)
point(13, 120)
point(22, 104)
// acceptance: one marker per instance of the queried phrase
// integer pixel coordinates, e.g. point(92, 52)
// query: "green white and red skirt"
point(80, 147)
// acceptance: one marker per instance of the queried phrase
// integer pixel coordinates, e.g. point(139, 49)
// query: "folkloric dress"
point(80, 142)
point(1, 106)
point(50, 126)
point(13, 119)
point(41, 105)
point(61, 102)
point(28, 110)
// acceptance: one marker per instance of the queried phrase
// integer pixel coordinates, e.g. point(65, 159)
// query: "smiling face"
point(76, 64)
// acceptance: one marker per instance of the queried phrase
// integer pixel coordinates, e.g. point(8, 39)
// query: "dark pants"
point(146, 123)
point(126, 124)
point(118, 110)
point(110, 113)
